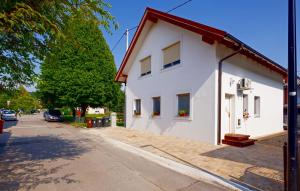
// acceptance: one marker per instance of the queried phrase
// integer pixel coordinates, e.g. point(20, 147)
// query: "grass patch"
point(95, 115)
point(77, 124)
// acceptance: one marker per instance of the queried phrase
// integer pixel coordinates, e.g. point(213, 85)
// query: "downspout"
point(220, 65)
point(125, 100)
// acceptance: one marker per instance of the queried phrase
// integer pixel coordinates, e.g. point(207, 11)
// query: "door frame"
point(231, 98)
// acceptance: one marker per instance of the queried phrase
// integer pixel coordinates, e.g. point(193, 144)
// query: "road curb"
point(178, 167)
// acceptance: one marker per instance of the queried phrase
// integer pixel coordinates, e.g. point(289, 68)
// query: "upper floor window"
point(146, 66)
point(171, 55)
point(156, 106)
point(183, 105)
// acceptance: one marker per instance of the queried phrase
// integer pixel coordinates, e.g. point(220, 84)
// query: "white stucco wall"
point(195, 75)
point(265, 83)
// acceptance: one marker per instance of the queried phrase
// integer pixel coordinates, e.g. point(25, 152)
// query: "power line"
point(117, 43)
point(180, 5)
point(133, 28)
point(174, 8)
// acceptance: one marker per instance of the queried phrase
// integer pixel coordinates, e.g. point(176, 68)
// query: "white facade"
point(265, 84)
point(197, 74)
point(97, 110)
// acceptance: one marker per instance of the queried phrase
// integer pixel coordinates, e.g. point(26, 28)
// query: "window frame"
point(155, 113)
point(189, 113)
point(141, 63)
point(135, 107)
point(174, 63)
point(257, 113)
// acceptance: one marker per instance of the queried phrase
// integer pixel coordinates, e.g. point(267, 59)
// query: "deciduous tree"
point(80, 69)
point(28, 26)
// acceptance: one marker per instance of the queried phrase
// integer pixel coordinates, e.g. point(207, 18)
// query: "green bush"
point(122, 124)
point(77, 124)
point(95, 115)
point(68, 118)
point(66, 111)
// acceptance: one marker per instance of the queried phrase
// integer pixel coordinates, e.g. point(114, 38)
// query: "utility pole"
point(127, 38)
point(293, 184)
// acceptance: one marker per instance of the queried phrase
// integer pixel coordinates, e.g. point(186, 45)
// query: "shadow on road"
point(4, 137)
point(264, 168)
point(8, 124)
point(22, 161)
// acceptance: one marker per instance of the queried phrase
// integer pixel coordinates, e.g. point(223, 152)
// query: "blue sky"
point(262, 24)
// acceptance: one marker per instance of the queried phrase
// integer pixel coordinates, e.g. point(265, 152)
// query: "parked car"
point(53, 115)
point(9, 115)
point(1, 112)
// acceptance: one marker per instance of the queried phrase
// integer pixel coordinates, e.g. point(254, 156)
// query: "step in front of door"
point(236, 143)
point(236, 137)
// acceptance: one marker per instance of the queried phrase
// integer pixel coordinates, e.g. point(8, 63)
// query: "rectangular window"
point(171, 55)
point(256, 106)
point(183, 105)
point(245, 106)
point(156, 106)
point(146, 66)
point(137, 107)
point(245, 103)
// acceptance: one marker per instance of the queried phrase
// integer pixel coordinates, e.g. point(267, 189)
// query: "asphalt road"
point(36, 155)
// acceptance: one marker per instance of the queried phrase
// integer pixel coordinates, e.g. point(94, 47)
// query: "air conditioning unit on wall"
point(245, 84)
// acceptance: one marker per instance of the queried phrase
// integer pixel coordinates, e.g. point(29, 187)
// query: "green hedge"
point(66, 111)
point(68, 118)
point(95, 115)
point(76, 124)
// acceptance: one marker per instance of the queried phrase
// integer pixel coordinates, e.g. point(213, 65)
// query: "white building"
point(177, 83)
point(95, 110)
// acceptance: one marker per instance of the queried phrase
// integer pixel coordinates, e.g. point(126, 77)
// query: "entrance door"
point(228, 115)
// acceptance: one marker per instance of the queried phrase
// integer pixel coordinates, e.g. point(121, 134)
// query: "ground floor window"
point(256, 106)
point(156, 106)
point(137, 107)
point(245, 106)
point(183, 105)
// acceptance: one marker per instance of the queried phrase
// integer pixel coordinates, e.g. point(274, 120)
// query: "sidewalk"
point(259, 166)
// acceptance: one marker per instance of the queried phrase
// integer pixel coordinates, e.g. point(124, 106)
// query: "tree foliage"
point(4, 97)
point(24, 100)
point(80, 69)
point(19, 99)
point(28, 26)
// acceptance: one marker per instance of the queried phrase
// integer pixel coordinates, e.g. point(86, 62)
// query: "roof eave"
point(210, 32)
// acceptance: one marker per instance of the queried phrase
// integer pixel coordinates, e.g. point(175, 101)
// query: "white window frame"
point(245, 105)
point(257, 113)
point(190, 117)
point(152, 99)
point(174, 63)
point(171, 41)
point(134, 107)
point(145, 74)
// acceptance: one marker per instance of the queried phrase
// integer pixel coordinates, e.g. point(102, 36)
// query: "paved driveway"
point(259, 166)
point(36, 155)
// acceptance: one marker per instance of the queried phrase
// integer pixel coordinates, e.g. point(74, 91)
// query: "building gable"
point(209, 35)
